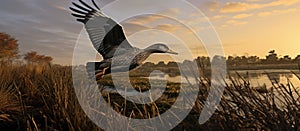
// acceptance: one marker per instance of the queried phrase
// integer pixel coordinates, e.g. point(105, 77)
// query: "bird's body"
point(109, 40)
point(120, 63)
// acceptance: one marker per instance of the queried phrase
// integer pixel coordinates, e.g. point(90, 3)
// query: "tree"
point(237, 60)
point(230, 60)
point(172, 64)
point(203, 61)
point(297, 59)
point(286, 58)
point(33, 57)
point(253, 59)
point(148, 65)
point(272, 52)
point(272, 57)
point(161, 64)
point(9, 48)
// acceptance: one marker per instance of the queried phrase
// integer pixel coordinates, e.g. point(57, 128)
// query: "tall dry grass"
point(42, 98)
point(246, 108)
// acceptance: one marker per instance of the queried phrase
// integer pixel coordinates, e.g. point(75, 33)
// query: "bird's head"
point(160, 48)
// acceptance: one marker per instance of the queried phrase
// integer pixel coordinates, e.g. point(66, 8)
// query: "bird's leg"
point(100, 74)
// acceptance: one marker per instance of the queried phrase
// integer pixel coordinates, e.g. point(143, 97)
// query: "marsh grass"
point(44, 97)
point(37, 97)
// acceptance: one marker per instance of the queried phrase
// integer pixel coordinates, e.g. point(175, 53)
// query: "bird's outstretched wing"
point(106, 35)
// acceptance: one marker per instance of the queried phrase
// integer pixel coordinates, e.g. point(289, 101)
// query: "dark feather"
point(77, 11)
point(95, 5)
point(81, 20)
point(106, 35)
point(86, 5)
point(80, 7)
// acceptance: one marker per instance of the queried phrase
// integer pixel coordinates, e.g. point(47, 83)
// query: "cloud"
point(234, 7)
point(263, 14)
point(131, 28)
point(145, 19)
point(241, 16)
point(276, 12)
point(253, 0)
point(217, 17)
point(171, 12)
point(167, 27)
point(213, 5)
point(224, 26)
point(283, 2)
point(284, 11)
point(235, 22)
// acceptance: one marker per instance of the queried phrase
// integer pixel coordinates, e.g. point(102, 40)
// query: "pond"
point(256, 78)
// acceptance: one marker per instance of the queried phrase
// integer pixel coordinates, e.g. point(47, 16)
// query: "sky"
point(244, 27)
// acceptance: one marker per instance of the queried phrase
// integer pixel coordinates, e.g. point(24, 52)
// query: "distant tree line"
point(231, 61)
point(9, 53)
point(271, 58)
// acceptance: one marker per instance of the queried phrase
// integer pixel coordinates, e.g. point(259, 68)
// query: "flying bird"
point(108, 38)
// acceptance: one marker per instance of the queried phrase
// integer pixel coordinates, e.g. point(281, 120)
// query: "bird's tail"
point(95, 70)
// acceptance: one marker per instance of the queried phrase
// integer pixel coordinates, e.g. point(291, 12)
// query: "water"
point(257, 78)
point(260, 77)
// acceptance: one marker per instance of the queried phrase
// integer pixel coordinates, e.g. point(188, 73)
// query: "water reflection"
point(256, 78)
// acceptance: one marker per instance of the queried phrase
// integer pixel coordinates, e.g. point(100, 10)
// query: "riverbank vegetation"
point(43, 98)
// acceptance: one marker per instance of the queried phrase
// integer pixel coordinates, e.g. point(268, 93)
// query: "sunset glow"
point(244, 26)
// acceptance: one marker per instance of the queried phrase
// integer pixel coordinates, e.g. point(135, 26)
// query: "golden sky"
point(256, 26)
point(252, 27)
point(249, 27)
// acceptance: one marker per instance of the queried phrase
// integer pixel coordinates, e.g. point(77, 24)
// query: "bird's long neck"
point(142, 56)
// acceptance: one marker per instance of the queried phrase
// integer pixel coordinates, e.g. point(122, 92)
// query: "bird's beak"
point(172, 52)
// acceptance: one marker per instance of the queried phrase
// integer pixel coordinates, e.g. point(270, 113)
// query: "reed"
point(36, 97)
